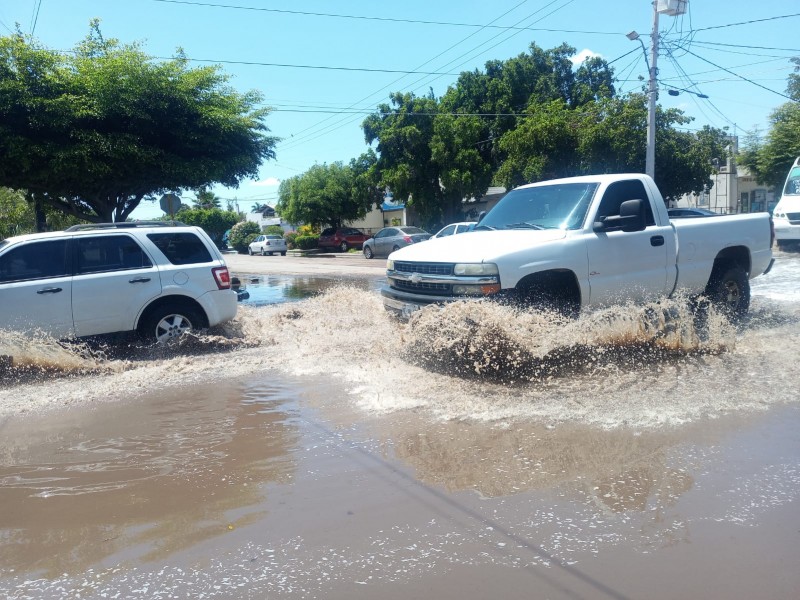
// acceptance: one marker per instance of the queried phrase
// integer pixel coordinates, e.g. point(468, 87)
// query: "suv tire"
point(169, 321)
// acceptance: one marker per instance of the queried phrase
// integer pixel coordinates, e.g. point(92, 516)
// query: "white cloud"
point(268, 182)
point(578, 59)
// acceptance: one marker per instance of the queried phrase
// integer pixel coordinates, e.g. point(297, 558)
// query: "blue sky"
point(341, 59)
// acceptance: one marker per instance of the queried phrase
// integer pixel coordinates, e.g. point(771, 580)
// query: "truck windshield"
point(792, 183)
point(558, 206)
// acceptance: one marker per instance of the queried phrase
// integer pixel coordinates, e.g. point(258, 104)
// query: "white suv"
point(154, 278)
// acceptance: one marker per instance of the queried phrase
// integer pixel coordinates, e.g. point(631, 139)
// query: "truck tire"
point(729, 291)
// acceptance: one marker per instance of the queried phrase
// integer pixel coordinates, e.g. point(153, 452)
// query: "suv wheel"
point(344, 247)
point(169, 321)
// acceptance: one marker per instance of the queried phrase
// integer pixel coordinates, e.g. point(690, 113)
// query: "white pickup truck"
point(584, 242)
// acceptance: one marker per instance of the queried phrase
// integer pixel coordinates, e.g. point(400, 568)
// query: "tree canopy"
point(770, 161)
point(329, 194)
point(96, 130)
point(525, 119)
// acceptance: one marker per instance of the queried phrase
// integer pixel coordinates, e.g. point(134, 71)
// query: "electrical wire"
point(308, 134)
point(372, 18)
point(739, 76)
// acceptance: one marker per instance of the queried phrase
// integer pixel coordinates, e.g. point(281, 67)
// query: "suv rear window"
point(181, 248)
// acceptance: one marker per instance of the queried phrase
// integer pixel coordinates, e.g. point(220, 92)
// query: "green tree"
point(214, 221)
point(94, 131)
point(438, 152)
point(205, 198)
point(403, 132)
point(327, 194)
point(608, 136)
point(771, 159)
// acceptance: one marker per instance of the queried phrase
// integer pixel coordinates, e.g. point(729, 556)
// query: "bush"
point(274, 230)
point(238, 237)
point(306, 242)
point(291, 237)
point(213, 221)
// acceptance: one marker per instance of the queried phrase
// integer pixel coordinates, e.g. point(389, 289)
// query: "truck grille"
point(422, 287)
point(424, 268)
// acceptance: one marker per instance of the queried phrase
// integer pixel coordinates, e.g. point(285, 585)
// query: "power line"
point(342, 122)
point(737, 75)
point(744, 23)
point(373, 18)
point(291, 66)
point(743, 46)
point(35, 17)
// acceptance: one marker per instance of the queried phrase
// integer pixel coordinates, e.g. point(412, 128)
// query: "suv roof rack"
point(125, 225)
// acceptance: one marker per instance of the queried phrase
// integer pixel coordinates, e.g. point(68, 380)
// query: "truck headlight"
point(475, 269)
point(476, 290)
point(390, 265)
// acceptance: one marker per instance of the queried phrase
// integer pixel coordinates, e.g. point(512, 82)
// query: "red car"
point(342, 239)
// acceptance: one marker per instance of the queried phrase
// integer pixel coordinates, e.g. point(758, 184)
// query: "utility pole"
point(672, 8)
point(652, 96)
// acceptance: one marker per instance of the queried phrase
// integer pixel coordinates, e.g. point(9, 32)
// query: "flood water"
point(318, 449)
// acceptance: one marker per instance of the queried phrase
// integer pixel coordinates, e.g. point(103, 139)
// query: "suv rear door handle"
point(657, 240)
point(139, 280)
point(48, 291)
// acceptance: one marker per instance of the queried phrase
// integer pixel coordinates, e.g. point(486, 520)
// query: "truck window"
point(792, 187)
point(620, 191)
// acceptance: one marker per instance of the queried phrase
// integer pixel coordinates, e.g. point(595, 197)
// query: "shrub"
point(274, 230)
point(238, 237)
point(306, 242)
point(291, 237)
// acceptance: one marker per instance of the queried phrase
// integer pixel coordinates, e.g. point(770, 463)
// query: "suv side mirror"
point(631, 218)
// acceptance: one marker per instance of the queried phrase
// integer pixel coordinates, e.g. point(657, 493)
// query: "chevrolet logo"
point(416, 278)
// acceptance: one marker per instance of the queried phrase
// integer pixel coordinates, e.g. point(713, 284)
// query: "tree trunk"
point(40, 216)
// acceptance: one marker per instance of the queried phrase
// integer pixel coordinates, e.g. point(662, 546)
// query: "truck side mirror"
point(631, 218)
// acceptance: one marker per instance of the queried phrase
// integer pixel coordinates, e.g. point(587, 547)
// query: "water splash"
point(500, 343)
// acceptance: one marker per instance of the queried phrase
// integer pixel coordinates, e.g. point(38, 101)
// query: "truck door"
point(627, 265)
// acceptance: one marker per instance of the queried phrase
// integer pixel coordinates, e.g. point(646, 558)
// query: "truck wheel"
point(169, 321)
point(368, 252)
point(729, 291)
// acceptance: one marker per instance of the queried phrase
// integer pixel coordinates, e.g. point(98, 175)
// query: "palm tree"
point(206, 199)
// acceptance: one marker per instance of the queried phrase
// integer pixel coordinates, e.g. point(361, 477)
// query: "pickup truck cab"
point(584, 242)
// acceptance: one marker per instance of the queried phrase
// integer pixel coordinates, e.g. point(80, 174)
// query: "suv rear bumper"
point(219, 306)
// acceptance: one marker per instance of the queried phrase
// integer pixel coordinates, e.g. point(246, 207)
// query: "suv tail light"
point(222, 277)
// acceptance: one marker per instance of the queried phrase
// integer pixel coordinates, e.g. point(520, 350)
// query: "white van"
point(786, 215)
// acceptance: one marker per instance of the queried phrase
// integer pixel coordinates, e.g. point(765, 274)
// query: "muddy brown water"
point(318, 449)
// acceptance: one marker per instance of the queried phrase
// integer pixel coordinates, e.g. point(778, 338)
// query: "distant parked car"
point(455, 228)
point(342, 239)
point(267, 245)
point(389, 239)
point(680, 213)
